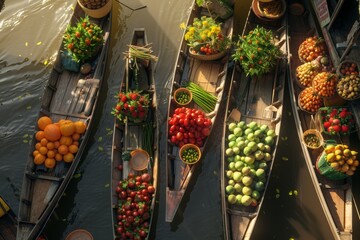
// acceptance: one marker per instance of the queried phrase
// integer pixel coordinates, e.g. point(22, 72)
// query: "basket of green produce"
point(190, 153)
point(182, 96)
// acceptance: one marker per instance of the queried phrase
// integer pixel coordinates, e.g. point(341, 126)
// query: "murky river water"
point(30, 34)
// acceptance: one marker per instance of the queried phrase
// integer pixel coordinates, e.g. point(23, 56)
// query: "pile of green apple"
point(248, 155)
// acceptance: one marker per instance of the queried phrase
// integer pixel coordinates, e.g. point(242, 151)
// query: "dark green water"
point(30, 34)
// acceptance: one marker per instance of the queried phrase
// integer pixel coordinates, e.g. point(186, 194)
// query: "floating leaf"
point(26, 44)
point(107, 185)
point(291, 238)
point(19, 55)
point(215, 172)
point(28, 107)
point(77, 175)
point(100, 139)
point(284, 158)
point(296, 192)
point(46, 62)
point(277, 195)
point(277, 190)
point(25, 141)
point(64, 219)
point(290, 193)
point(100, 148)
point(108, 129)
point(38, 43)
point(26, 135)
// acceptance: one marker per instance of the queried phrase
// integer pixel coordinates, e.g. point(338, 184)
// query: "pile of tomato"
point(312, 48)
point(133, 215)
point(189, 125)
point(309, 100)
point(325, 84)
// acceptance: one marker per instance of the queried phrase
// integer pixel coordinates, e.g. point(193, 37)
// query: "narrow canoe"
point(335, 196)
point(8, 221)
point(211, 76)
point(66, 96)
point(129, 136)
point(258, 99)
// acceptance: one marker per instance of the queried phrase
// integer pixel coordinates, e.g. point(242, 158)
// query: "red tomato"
point(179, 136)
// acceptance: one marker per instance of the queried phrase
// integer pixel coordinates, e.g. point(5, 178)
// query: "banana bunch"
point(341, 158)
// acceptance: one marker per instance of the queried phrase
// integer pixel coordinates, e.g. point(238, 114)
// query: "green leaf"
point(77, 175)
point(107, 185)
point(100, 148)
point(100, 139)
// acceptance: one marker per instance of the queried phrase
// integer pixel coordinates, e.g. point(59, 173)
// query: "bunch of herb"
point(83, 39)
point(257, 52)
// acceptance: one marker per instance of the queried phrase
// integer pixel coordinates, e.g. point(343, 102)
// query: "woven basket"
point(186, 146)
point(261, 3)
point(182, 90)
point(210, 57)
point(341, 82)
point(139, 159)
point(79, 234)
point(317, 134)
point(346, 61)
point(323, 167)
point(97, 13)
point(302, 109)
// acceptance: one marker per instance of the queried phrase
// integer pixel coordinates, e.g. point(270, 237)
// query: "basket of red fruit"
point(336, 120)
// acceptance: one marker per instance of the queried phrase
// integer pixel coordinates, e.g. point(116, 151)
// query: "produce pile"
point(248, 153)
point(57, 141)
point(324, 84)
point(190, 155)
point(305, 73)
point(133, 215)
point(349, 87)
point(312, 48)
point(312, 140)
point(182, 97)
point(337, 120)
point(189, 125)
point(309, 100)
point(349, 68)
point(341, 158)
point(131, 105)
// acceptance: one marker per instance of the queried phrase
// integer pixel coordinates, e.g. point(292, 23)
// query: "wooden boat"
point(252, 99)
point(211, 76)
point(335, 196)
point(8, 221)
point(133, 136)
point(66, 96)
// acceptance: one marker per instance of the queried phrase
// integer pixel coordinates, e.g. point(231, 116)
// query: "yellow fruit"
point(354, 153)
point(341, 162)
point(338, 157)
point(350, 161)
point(50, 163)
point(80, 127)
point(356, 163)
point(65, 140)
point(67, 128)
point(69, 157)
point(43, 122)
point(39, 159)
point(73, 148)
point(353, 168)
point(52, 132)
point(347, 152)
point(345, 168)
point(350, 173)
point(338, 152)
point(334, 165)
point(330, 157)
point(43, 150)
point(329, 148)
point(339, 147)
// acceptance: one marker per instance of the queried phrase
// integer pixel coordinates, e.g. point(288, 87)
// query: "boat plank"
point(38, 195)
point(337, 209)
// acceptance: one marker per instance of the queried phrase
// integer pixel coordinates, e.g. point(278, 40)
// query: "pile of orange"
point(57, 141)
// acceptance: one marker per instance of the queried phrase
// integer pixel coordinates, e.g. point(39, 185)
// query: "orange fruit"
point(43, 122)
point(50, 145)
point(73, 148)
point(35, 152)
point(76, 143)
point(50, 154)
point(52, 132)
point(67, 128)
point(44, 142)
point(56, 144)
point(80, 127)
point(63, 149)
point(58, 157)
point(39, 159)
point(76, 136)
point(64, 140)
point(43, 150)
point(50, 162)
point(38, 146)
point(39, 135)
point(69, 157)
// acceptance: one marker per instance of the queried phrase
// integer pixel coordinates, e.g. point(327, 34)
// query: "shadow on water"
point(291, 208)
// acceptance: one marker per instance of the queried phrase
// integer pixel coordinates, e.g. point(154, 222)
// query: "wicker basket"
point(187, 146)
point(185, 90)
point(139, 159)
point(341, 82)
point(317, 134)
point(261, 3)
point(97, 13)
point(324, 169)
point(302, 109)
point(210, 57)
point(338, 69)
